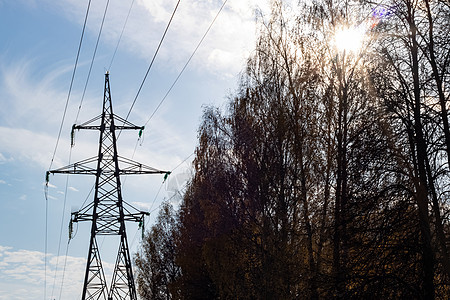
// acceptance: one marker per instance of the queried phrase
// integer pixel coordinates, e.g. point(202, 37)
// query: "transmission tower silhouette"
point(108, 212)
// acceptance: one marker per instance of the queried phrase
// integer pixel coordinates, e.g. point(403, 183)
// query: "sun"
point(349, 39)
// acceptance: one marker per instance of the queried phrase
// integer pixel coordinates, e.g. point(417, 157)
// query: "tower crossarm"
point(129, 167)
point(88, 167)
point(131, 213)
point(90, 125)
point(81, 167)
point(136, 217)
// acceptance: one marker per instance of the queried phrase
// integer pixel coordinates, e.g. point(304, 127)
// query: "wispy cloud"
point(3, 159)
point(24, 127)
point(26, 146)
point(223, 52)
point(51, 185)
point(73, 189)
point(33, 98)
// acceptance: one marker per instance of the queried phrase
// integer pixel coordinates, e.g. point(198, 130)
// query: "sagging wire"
point(71, 84)
point(148, 219)
point(64, 269)
point(170, 89)
point(62, 225)
point(187, 63)
point(57, 143)
point(71, 236)
point(153, 60)
point(121, 34)
point(156, 197)
point(72, 144)
point(45, 250)
point(93, 59)
point(167, 93)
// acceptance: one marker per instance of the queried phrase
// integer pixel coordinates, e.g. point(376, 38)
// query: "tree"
point(326, 174)
point(416, 70)
point(156, 266)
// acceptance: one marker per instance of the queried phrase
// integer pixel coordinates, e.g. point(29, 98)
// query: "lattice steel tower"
point(108, 212)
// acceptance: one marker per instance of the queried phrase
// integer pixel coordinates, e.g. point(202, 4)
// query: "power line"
point(57, 143)
point(64, 269)
point(61, 227)
point(187, 63)
point(182, 162)
point(176, 80)
point(153, 59)
point(71, 84)
point(173, 84)
point(70, 153)
point(120, 37)
point(182, 70)
point(157, 194)
point(92, 60)
point(45, 250)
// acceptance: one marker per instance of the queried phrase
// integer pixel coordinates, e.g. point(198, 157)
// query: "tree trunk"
point(420, 181)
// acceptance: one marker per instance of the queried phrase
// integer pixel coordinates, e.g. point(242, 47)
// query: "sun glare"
point(349, 39)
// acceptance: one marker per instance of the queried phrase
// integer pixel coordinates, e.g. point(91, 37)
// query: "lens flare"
point(349, 39)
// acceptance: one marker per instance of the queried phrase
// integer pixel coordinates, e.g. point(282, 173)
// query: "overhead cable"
point(61, 228)
point(70, 154)
point(57, 142)
point(92, 60)
point(187, 63)
point(71, 84)
point(121, 34)
point(153, 59)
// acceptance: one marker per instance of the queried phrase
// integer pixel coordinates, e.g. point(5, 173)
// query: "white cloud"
point(51, 197)
point(73, 189)
point(142, 205)
point(3, 159)
point(24, 135)
point(51, 185)
point(33, 98)
point(23, 197)
point(31, 94)
point(27, 146)
point(3, 249)
point(233, 33)
point(2, 181)
point(22, 274)
point(25, 128)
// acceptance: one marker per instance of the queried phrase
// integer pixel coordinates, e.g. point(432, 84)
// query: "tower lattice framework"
point(108, 212)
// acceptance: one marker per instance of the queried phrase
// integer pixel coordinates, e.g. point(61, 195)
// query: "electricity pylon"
point(108, 212)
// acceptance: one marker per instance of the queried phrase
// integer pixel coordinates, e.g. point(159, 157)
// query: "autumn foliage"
point(327, 175)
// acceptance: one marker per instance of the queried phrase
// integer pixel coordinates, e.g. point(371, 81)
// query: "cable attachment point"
point(142, 223)
point(166, 176)
point(47, 178)
point(70, 229)
point(141, 136)
point(141, 131)
point(72, 136)
point(141, 227)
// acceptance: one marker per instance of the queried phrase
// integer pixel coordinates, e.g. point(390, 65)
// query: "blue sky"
point(39, 40)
